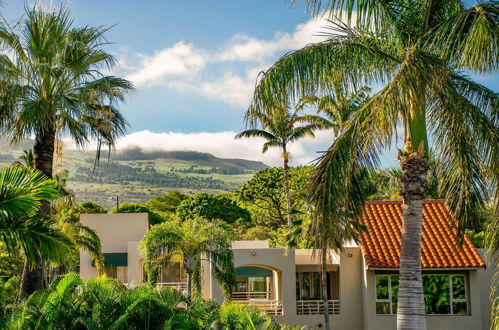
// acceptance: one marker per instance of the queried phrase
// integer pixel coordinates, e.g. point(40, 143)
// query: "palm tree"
point(21, 193)
point(280, 128)
point(52, 85)
point(337, 105)
point(416, 52)
point(191, 241)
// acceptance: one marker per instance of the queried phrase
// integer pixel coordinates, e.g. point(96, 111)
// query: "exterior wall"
point(436, 322)
point(350, 294)
point(116, 231)
point(135, 264)
point(485, 282)
point(283, 264)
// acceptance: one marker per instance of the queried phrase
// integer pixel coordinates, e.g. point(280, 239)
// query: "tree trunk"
point(286, 183)
point(327, 324)
point(20, 294)
point(43, 152)
point(411, 309)
point(189, 285)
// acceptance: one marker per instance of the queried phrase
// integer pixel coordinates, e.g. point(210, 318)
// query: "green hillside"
point(137, 176)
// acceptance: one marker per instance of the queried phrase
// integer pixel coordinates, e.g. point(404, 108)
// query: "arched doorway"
point(259, 286)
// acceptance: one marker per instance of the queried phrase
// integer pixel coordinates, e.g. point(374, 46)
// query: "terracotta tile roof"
point(381, 244)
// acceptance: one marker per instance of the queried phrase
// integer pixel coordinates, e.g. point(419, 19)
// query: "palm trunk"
point(411, 309)
point(189, 285)
point(20, 294)
point(43, 152)
point(286, 184)
point(327, 324)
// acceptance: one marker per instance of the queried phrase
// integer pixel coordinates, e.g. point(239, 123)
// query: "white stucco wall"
point(115, 231)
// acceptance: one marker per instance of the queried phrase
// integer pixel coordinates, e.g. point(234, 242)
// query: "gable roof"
point(381, 244)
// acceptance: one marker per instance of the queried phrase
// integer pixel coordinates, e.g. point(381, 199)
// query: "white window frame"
point(452, 300)
point(451, 292)
point(389, 300)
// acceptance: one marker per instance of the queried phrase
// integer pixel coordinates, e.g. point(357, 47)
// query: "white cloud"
point(233, 89)
point(248, 49)
point(176, 66)
point(180, 60)
point(223, 145)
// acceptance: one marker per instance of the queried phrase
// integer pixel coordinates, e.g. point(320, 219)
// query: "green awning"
point(115, 259)
point(252, 271)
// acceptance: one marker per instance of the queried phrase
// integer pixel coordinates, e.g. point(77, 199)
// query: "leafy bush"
point(91, 207)
point(104, 303)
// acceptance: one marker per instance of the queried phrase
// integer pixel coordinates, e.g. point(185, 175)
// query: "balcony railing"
point(251, 295)
point(260, 299)
point(179, 286)
point(271, 307)
point(316, 307)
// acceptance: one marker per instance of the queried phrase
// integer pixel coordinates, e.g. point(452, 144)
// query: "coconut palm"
point(190, 241)
point(280, 128)
point(52, 85)
point(416, 52)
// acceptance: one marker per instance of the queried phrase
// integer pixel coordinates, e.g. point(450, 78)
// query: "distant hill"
point(136, 175)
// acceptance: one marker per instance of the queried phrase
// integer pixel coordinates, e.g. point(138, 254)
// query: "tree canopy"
point(154, 218)
point(213, 207)
point(167, 202)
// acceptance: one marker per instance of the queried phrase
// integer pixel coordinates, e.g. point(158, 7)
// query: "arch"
point(274, 281)
point(261, 266)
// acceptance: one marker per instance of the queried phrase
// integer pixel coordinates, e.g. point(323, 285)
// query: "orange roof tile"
point(381, 244)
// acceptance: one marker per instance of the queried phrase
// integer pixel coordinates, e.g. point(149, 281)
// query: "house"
point(362, 279)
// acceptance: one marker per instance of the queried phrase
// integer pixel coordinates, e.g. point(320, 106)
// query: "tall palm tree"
point(21, 193)
point(190, 240)
point(416, 52)
point(337, 105)
point(280, 128)
point(52, 85)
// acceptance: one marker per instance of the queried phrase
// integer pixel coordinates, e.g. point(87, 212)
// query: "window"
point(253, 288)
point(117, 272)
point(308, 285)
point(443, 294)
point(387, 287)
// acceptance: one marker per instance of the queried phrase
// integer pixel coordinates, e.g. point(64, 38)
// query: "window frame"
point(452, 300)
point(389, 299)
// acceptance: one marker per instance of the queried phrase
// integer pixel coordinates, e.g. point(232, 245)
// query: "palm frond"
point(470, 38)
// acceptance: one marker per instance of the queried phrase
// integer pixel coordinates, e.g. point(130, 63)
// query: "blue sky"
point(195, 64)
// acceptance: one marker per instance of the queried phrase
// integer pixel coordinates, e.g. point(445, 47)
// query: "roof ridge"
point(399, 201)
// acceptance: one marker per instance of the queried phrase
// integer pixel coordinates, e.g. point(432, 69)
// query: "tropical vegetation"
point(188, 242)
point(416, 51)
point(280, 127)
point(52, 85)
point(104, 303)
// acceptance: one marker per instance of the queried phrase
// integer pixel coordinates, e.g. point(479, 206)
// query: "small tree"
point(265, 196)
point(191, 240)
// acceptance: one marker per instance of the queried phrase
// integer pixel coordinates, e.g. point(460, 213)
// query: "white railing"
point(179, 286)
point(271, 307)
point(316, 307)
point(252, 295)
